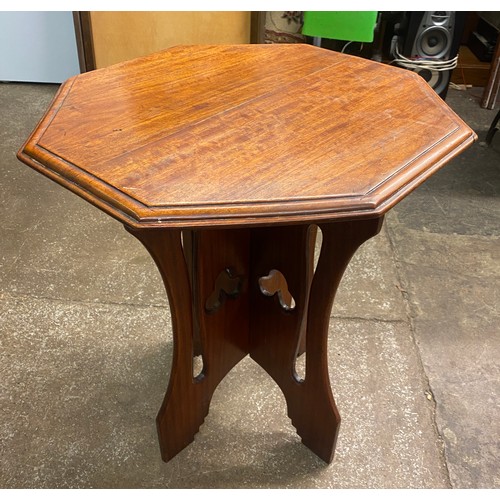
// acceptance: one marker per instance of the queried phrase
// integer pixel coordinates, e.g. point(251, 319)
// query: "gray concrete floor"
point(85, 344)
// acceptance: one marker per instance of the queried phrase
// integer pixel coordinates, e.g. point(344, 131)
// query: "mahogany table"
point(223, 161)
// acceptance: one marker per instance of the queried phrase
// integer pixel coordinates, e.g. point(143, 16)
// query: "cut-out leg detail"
point(313, 234)
point(226, 285)
point(190, 255)
point(198, 364)
point(275, 283)
point(299, 367)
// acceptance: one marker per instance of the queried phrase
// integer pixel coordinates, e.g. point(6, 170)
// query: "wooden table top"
point(244, 134)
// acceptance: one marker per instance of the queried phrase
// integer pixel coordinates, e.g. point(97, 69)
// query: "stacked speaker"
point(427, 43)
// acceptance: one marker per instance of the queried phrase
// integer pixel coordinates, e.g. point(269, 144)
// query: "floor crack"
point(411, 313)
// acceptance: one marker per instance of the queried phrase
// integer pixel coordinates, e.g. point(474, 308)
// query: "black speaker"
point(427, 43)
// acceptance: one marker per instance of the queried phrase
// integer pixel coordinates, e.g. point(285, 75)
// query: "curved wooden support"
point(275, 334)
point(223, 335)
point(317, 419)
point(176, 422)
point(275, 283)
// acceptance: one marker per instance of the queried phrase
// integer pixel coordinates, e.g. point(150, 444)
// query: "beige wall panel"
point(119, 36)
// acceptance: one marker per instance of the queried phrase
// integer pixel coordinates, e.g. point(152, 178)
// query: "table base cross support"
point(234, 292)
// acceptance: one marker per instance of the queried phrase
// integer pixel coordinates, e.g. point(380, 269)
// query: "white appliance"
point(37, 47)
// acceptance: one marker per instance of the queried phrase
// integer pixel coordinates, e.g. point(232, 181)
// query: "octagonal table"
point(224, 161)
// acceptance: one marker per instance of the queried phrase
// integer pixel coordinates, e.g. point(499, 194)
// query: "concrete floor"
point(85, 344)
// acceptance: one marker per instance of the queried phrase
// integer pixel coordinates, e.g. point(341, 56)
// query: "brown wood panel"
point(121, 36)
point(240, 134)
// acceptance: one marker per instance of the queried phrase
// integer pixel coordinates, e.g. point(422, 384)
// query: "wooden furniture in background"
point(470, 70)
point(121, 36)
point(223, 161)
point(84, 40)
point(492, 87)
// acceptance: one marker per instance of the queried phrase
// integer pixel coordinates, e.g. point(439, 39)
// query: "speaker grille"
point(434, 41)
point(430, 45)
point(439, 18)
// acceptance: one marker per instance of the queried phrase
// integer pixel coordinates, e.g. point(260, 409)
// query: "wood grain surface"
point(244, 135)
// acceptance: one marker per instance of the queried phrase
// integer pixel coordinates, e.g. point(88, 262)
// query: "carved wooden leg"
point(276, 331)
point(223, 333)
